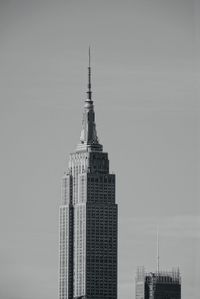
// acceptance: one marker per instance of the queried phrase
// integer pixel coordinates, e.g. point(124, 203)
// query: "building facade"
point(88, 218)
point(158, 285)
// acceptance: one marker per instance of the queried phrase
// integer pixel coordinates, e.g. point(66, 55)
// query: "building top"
point(88, 139)
point(172, 276)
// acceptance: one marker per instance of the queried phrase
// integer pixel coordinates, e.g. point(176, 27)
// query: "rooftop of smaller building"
point(172, 276)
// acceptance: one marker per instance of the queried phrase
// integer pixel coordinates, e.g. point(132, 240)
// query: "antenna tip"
point(89, 55)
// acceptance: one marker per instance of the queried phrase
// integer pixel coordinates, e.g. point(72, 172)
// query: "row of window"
point(101, 179)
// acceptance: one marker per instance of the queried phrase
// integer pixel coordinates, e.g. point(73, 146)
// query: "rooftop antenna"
point(158, 253)
point(89, 92)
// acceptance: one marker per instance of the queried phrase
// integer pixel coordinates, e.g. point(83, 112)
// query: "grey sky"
point(145, 81)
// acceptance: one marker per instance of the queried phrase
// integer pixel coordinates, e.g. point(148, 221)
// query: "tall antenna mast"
point(89, 92)
point(158, 253)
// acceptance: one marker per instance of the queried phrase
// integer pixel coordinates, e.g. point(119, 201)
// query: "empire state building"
point(88, 218)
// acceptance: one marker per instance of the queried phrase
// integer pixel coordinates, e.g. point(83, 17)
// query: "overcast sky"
point(145, 81)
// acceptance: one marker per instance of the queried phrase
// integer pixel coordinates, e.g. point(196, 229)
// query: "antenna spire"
point(89, 55)
point(89, 92)
point(158, 253)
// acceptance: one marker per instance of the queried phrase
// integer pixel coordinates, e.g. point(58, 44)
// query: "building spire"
point(89, 139)
point(158, 253)
point(89, 92)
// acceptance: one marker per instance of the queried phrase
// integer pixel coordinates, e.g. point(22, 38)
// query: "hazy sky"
point(145, 81)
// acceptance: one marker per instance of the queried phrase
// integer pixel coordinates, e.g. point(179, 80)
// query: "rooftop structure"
point(158, 285)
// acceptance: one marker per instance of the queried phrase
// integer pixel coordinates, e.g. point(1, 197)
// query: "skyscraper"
point(88, 218)
point(158, 285)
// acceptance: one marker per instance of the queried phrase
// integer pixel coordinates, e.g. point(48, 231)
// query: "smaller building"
point(158, 285)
